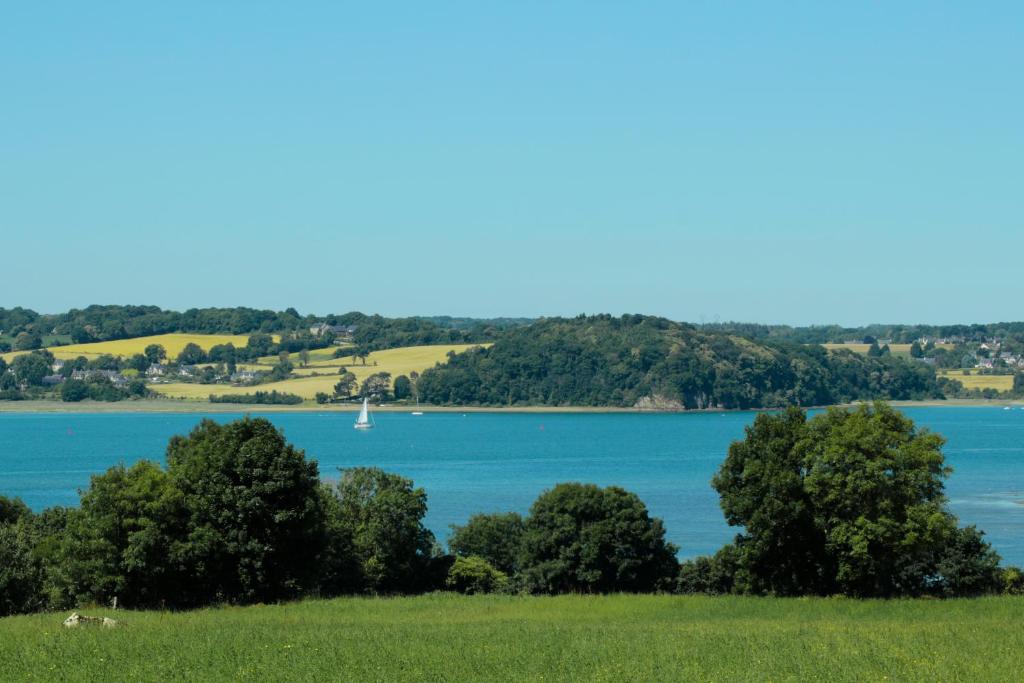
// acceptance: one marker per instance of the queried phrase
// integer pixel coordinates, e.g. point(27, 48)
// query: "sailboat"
point(364, 421)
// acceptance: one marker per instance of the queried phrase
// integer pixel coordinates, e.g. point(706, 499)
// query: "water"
point(484, 462)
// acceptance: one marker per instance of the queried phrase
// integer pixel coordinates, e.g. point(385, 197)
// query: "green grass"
point(571, 638)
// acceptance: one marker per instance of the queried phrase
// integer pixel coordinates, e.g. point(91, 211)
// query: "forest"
point(645, 361)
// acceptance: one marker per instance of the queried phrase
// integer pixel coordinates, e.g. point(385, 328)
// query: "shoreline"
point(179, 406)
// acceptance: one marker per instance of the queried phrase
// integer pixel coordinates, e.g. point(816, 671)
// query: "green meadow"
point(447, 637)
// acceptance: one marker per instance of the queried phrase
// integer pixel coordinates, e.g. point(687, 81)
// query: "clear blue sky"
point(775, 162)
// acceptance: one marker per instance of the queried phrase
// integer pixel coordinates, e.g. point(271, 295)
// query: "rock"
point(76, 620)
point(658, 402)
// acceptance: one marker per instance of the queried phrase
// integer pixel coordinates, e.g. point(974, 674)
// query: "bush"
point(1012, 580)
point(73, 391)
point(497, 538)
point(259, 398)
point(713, 575)
point(473, 575)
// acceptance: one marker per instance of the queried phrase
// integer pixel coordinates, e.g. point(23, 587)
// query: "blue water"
point(484, 462)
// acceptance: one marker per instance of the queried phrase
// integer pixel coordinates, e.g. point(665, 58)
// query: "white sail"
point(363, 421)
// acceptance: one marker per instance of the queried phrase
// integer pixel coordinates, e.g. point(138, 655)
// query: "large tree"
point(582, 538)
point(761, 483)
point(849, 502)
point(255, 514)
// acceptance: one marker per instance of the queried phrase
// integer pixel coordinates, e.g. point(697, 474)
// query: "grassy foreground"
point(446, 637)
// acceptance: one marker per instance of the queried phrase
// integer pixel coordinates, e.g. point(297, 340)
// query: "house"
point(984, 363)
point(156, 370)
point(53, 380)
point(339, 331)
point(187, 370)
point(244, 376)
point(110, 375)
point(57, 365)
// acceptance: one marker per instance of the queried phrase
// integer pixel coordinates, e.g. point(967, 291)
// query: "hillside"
point(321, 374)
point(639, 360)
point(444, 637)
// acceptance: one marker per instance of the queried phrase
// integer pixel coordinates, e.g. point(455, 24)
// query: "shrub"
point(475, 575)
point(713, 575)
point(497, 538)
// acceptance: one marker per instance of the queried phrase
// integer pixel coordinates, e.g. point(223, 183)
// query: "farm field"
point(977, 381)
point(895, 349)
point(399, 361)
point(447, 637)
point(172, 343)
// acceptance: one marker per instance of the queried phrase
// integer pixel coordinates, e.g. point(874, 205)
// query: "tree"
point(761, 485)
point(127, 540)
point(192, 354)
point(223, 353)
point(343, 389)
point(304, 357)
point(138, 362)
point(382, 515)
point(582, 538)
point(30, 368)
point(256, 522)
point(496, 537)
point(473, 575)
point(848, 502)
point(27, 341)
point(154, 353)
point(21, 575)
point(73, 391)
point(13, 510)
point(874, 351)
point(375, 387)
point(259, 344)
point(322, 398)
point(1018, 383)
point(916, 351)
point(402, 388)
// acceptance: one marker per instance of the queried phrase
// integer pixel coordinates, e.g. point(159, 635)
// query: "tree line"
point(28, 329)
point(848, 503)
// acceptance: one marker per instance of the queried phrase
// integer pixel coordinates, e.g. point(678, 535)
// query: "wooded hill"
point(640, 360)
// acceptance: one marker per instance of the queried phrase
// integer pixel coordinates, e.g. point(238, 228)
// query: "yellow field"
point(976, 381)
point(172, 343)
point(396, 361)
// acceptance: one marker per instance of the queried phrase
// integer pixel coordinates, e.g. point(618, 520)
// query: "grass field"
point(400, 361)
point(444, 637)
point(976, 381)
point(172, 343)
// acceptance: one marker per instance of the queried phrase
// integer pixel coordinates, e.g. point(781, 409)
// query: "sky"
point(797, 162)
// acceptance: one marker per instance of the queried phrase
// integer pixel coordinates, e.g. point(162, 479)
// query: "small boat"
point(364, 421)
point(417, 412)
